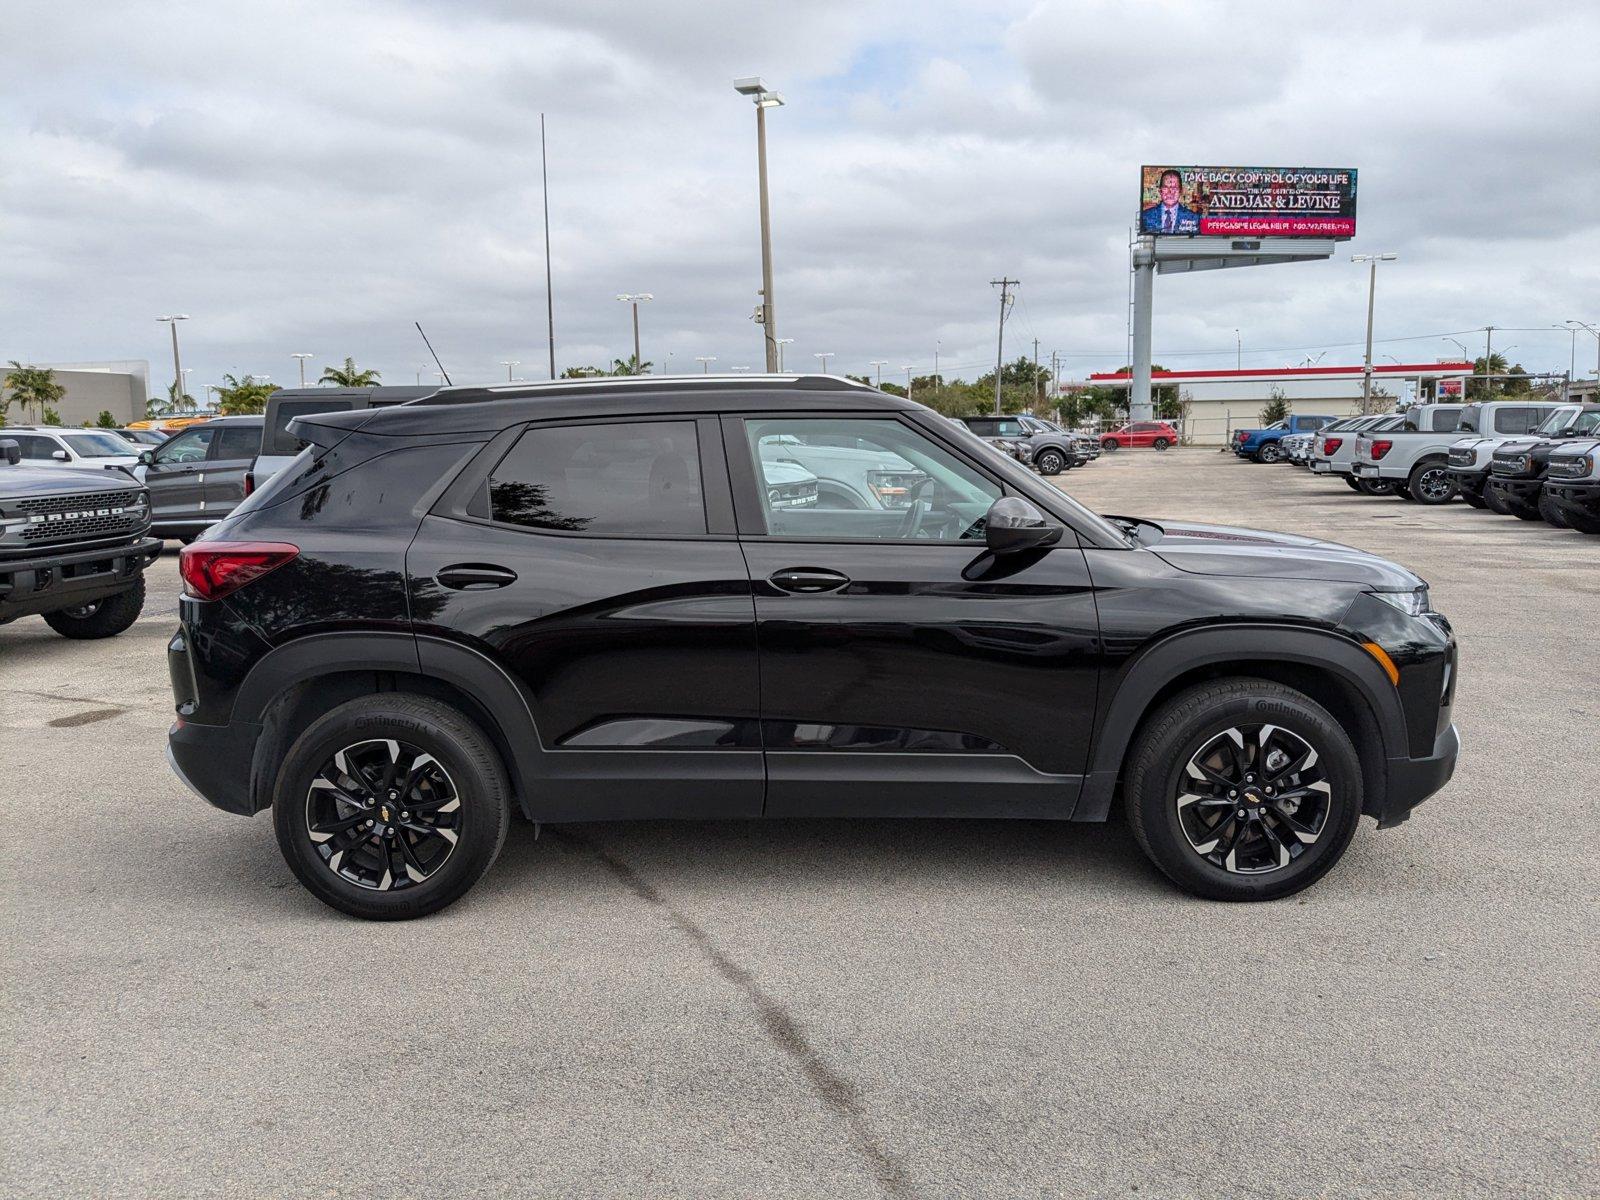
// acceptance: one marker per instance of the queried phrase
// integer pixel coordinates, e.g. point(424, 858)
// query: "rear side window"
point(278, 440)
point(1515, 420)
point(236, 441)
point(1445, 419)
point(34, 448)
point(627, 479)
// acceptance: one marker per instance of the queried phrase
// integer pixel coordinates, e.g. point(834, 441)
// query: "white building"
point(1221, 401)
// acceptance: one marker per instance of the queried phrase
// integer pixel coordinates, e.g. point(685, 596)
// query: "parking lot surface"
point(829, 1008)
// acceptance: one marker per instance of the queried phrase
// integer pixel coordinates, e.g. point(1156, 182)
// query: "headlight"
point(1413, 603)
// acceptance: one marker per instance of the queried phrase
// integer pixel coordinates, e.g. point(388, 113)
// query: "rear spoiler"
point(326, 430)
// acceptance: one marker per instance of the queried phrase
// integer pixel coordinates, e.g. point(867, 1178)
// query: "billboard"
point(1317, 202)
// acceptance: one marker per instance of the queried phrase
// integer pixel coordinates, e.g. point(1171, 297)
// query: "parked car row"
point(1536, 459)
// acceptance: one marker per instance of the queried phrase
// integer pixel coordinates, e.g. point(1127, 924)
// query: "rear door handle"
point(475, 577)
point(807, 579)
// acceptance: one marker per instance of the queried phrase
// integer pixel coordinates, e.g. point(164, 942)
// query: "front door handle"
point(807, 579)
point(475, 577)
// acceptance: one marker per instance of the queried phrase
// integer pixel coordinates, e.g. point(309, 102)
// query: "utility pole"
point(936, 344)
point(1036, 381)
point(1488, 358)
point(1238, 351)
point(1372, 291)
point(549, 296)
point(1005, 285)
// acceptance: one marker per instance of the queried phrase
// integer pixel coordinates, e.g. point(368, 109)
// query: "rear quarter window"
point(278, 439)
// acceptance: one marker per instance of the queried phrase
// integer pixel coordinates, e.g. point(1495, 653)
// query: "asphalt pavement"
point(833, 1008)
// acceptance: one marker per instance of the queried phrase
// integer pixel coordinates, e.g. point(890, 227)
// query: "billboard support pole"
point(1144, 290)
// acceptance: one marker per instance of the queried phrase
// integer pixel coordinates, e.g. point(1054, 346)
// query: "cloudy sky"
point(316, 176)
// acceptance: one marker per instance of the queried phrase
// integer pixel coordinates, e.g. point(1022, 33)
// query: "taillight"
point(249, 482)
point(1381, 447)
point(211, 570)
point(1331, 445)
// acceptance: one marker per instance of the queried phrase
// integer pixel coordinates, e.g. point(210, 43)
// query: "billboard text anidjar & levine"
point(1315, 202)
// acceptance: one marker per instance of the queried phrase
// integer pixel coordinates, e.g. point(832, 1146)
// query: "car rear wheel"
point(1551, 513)
point(100, 618)
point(1243, 789)
point(1352, 483)
point(1431, 483)
point(1050, 462)
point(1270, 453)
point(391, 806)
point(1161, 443)
point(1376, 487)
point(1111, 444)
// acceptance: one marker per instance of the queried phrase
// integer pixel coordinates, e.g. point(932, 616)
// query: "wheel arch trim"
point(1144, 677)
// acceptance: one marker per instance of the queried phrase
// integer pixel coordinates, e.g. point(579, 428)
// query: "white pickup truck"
point(1415, 462)
point(1334, 447)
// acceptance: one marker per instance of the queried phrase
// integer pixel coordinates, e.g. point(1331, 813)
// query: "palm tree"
point(630, 366)
point(349, 376)
point(30, 386)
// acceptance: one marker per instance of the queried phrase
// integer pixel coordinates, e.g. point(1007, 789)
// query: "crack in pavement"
point(836, 1092)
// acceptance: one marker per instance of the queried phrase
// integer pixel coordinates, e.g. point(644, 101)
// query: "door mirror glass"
point(1013, 525)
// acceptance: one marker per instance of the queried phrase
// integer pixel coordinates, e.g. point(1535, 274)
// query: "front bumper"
point(1524, 491)
point(1581, 494)
point(1471, 480)
point(1410, 781)
point(50, 581)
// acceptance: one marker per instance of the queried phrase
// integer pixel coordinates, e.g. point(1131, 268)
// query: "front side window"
point(188, 447)
point(621, 479)
point(869, 477)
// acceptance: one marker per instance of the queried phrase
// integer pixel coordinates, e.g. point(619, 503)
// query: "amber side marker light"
point(1384, 661)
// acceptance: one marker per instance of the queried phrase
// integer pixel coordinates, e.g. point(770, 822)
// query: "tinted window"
point(278, 440)
point(237, 441)
point(626, 479)
point(982, 427)
point(32, 445)
point(1515, 420)
point(1445, 419)
point(189, 446)
point(97, 445)
point(894, 484)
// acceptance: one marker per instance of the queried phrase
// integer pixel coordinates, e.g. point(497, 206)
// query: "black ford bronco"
point(590, 600)
point(74, 543)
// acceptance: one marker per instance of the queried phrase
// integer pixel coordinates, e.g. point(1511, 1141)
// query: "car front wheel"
point(1050, 462)
point(1431, 483)
point(100, 618)
point(1111, 444)
point(1552, 514)
point(1243, 789)
point(391, 806)
point(1161, 443)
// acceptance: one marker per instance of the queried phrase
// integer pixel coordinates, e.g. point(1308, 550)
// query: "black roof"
point(488, 409)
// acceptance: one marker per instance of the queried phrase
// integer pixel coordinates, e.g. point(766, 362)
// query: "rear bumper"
point(1410, 781)
point(51, 581)
point(214, 762)
point(1366, 470)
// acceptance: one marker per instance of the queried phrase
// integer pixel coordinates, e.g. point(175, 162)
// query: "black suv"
point(580, 601)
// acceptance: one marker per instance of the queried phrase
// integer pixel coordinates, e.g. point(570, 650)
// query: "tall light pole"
point(936, 344)
point(764, 99)
point(879, 363)
point(177, 364)
point(1465, 353)
point(1596, 332)
point(824, 357)
point(705, 361)
point(302, 358)
point(1372, 291)
point(1238, 351)
point(906, 367)
point(633, 298)
point(1006, 300)
point(508, 363)
point(782, 342)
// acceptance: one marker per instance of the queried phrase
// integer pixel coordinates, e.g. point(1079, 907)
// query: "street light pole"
point(302, 358)
point(824, 357)
point(705, 361)
point(880, 363)
point(177, 364)
point(633, 298)
point(1372, 292)
point(782, 342)
point(1238, 352)
point(764, 99)
point(508, 363)
point(1596, 332)
point(906, 367)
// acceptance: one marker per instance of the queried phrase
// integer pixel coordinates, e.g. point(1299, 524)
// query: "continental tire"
point(391, 806)
point(1243, 789)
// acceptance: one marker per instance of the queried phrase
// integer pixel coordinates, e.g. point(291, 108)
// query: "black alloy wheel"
point(1161, 443)
point(391, 806)
point(1243, 789)
point(1376, 487)
point(1050, 462)
point(1111, 444)
point(383, 814)
point(1431, 483)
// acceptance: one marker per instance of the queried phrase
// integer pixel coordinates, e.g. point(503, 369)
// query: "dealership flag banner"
point(1318, 202)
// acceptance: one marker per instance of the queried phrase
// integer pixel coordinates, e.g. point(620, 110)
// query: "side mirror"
point(1013, 525)
point(60, 456)
point(147, 458)
point(11, 452)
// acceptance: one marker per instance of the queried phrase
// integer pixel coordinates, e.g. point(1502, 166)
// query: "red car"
point(1140, 433)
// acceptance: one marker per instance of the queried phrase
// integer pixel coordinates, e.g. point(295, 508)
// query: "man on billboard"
point(1168, 215)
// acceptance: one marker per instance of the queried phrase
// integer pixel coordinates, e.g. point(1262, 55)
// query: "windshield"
point(1585, 422)
point(98, 445)
point(1557, 420)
